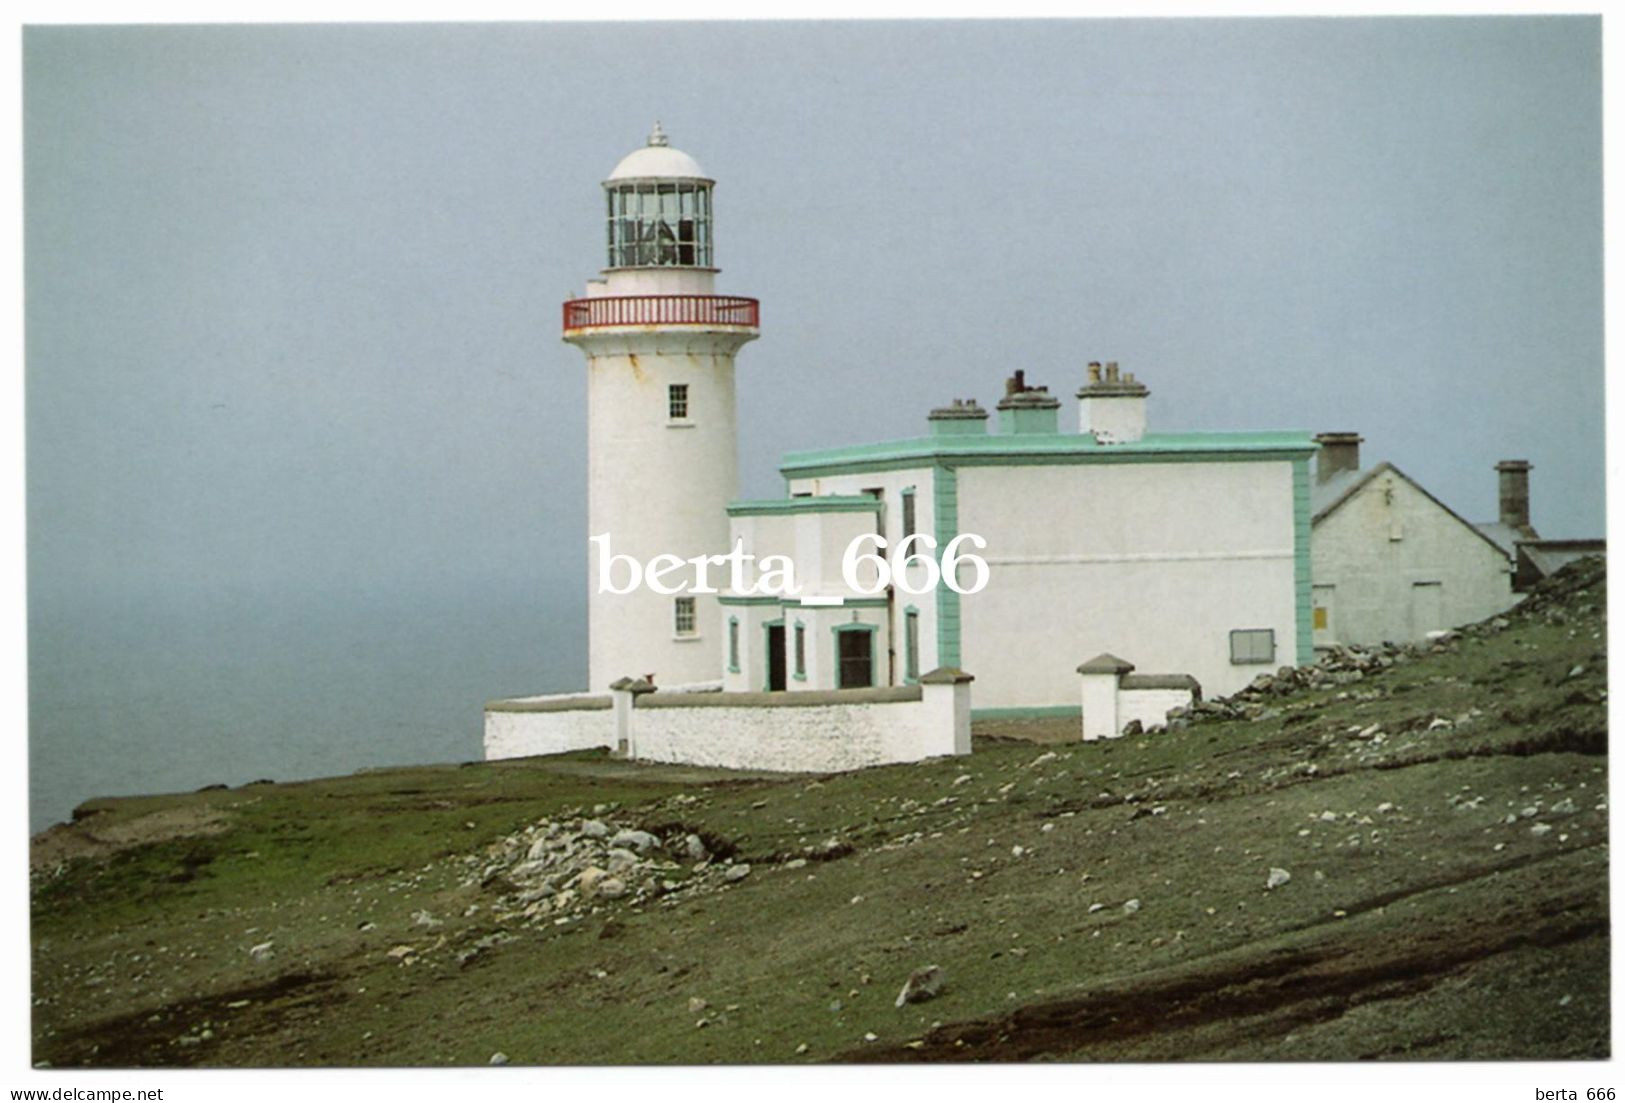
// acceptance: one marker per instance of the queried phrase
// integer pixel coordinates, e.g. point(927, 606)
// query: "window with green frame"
point(733, 645)
point(801, 651)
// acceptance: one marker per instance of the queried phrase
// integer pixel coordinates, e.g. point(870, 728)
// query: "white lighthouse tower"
point(661, 439)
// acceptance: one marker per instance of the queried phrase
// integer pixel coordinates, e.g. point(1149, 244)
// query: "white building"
point(1391, 562)
point(1185, 554)
point(1198, 559)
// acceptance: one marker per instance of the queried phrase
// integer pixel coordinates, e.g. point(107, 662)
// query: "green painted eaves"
point(832, 503)
point(1029, 448)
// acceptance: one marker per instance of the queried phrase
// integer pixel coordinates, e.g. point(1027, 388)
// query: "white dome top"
point(658, 159)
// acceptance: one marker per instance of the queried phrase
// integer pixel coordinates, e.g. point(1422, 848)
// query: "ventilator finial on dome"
point(657, 137)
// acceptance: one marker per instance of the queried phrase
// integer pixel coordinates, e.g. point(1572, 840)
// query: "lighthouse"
point(662, 452)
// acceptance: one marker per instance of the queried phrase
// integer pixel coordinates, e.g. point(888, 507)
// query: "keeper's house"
point(1183, 553)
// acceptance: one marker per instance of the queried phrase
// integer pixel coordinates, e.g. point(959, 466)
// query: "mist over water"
point(164, 696)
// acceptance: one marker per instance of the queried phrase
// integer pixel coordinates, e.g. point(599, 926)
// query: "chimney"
point(964, 417)
point(1111, 407)
point(1027, 409)
point(1515, 494)
point(1338, 452)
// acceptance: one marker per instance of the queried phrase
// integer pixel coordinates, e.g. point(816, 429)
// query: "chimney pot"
point(1094, 371)
point(1111, 371)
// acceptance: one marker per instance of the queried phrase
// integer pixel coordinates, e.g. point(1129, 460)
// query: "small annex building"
point(1391, 562)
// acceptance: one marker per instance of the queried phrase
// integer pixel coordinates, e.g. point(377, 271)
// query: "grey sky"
point(292, 292)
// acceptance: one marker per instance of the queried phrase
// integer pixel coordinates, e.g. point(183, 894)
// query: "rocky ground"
point(1400, 852)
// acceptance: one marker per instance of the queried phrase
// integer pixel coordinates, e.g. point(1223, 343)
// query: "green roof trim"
point(1302, 579)
point(945, 520)
point(1041, 448)
point(830, 503)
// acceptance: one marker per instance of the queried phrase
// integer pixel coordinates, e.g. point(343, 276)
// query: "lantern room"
point(659, 209)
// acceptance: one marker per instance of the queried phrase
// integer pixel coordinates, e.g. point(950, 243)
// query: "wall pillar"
point(945, 697)
point(1102, 676)
point(623, 694)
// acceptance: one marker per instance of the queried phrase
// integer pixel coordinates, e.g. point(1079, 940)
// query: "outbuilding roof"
point(1325, 498)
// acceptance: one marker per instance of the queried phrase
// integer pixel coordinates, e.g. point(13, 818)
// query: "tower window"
point(683, 616)
point(908, 513)
point(677, 401)
point(911, 644)
point(801, 650)
point(733, 645)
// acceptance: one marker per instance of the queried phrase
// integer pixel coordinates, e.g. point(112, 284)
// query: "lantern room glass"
point(653, 224)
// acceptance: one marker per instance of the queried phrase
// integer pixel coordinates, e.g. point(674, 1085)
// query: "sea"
point(137, 696)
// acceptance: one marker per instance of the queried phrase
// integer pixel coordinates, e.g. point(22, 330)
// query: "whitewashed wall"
point(777, 732)
point(801, 732)
point(1149, 706)
point(548, 725)
point(1154, 561)
point(1370, 553)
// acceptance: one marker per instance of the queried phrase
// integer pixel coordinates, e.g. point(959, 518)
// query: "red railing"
point(659, 310)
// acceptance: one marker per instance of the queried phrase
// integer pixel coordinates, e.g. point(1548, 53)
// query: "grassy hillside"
point(1434, 825)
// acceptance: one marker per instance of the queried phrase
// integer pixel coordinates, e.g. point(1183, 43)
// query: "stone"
point(922, 984)
point(594, 829)
point(262, 952)
point(590, 877)
point(636, 840)
point(498, 1059)
point(737, 873)
point(696, 1005)
point(1134, 727)
point(1131, 906)
point(610, 888)
point(1277, 878)
point(694, 848)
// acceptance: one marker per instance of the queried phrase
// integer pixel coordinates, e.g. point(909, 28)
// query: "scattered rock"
point(737, 873)
point(263, 952)
point(1277, 878)
point(696, 1005)
point(639, 841)
point(922, 984)
point(498, 1059)
point(1131, 906)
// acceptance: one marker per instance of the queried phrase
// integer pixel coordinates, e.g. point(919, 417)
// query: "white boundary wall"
point(822, 731)
point(1112, 698)
point(548, 725)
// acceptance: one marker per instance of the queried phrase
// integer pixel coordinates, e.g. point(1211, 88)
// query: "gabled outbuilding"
point(1391, 562)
